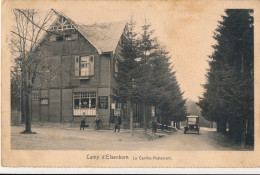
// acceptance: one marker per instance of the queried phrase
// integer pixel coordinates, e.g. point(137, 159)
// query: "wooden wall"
point(35, 108)
point(59, 87)
point(60, 56)
point(54, 105)
point(67, 105)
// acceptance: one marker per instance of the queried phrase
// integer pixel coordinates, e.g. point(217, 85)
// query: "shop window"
point(93, 103)
point(84, 100)
point(76, 103)
point(85, 103)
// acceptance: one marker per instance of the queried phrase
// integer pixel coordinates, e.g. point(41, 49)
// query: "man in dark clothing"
point(83, 121)
point(154, 125)
point(97, 120)
point(118, 123)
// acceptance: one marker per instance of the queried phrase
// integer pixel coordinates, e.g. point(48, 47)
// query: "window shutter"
point(92, 65)
point(76, 66)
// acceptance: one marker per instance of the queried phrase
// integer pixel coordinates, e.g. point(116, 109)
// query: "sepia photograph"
point(130, 81)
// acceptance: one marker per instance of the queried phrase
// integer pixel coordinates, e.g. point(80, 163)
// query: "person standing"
point(154, 125)
point(83, 121)
point(118, 123)
point(97, 120)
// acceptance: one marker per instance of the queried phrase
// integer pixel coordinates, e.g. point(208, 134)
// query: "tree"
point(156, 82)
point(146, 76)
point(26, 36)
point(126, 75)
point(230, 80)
point(165, 92)
point(147, 47)
point(15, 89)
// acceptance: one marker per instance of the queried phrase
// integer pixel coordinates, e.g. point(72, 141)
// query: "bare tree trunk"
point(22, 103)
point(27, 112)
point(27, 93)
point(22, 100)
point(28, 118)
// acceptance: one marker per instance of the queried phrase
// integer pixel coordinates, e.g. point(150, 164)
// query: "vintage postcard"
point(130, 84)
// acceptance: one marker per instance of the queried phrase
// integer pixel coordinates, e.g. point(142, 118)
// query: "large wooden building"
point(81, 63)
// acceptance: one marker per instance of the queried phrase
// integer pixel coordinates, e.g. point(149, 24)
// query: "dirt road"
point(75, 139)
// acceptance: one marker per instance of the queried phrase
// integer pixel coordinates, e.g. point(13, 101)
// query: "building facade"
point(77, 74)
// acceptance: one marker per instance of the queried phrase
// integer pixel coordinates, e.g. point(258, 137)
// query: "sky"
point(185, 27)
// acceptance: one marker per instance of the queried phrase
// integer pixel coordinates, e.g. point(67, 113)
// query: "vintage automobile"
point(192, 124)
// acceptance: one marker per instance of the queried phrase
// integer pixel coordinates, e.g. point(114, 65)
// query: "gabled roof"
point(103, 36)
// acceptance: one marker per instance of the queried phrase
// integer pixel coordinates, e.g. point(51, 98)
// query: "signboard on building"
point(103, 102)
point(113, 106)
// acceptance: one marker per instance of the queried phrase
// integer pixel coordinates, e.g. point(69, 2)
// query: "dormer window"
point(59, 38)
point(84, 66)
point(67, 37)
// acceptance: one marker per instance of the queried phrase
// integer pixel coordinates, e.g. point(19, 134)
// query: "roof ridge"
point(103, 23)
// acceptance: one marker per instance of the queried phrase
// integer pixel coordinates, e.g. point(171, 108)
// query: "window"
point(59, 38)
point(84, 66)
point(35, 96)
point(44, 101)
point(68, 37)
point(116, 66)
point(84, 100)
point(103, 102)
point(76, 66)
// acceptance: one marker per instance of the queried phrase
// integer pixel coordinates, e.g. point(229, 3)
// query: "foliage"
point(229, 95)
point(146, 76)
point(25, 39)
